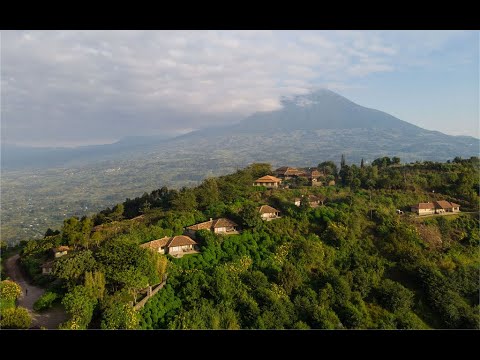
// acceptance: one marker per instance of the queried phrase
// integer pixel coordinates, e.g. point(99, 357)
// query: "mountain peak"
point(319, 110)
point(315, 97)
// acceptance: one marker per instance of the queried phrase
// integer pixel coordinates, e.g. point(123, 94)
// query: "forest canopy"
point(352, 262)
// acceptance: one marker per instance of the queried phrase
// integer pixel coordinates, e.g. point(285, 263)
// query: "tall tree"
point(80, 305)
point(86, 225)
point(250, 216)
point(207, 193)
point(328, 168)
point(72, 232)
point(72, 268)
point(342, 161)
point(145, 207)
point(185, 200)
point(95, 284)
point(119, 315)
point(117, 212)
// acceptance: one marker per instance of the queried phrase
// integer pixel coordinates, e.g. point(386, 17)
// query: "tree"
point(161, 264)
point(145, 207)
point(133, 280)
point(95, 284)
point(117, 212)
point(342, 161)
point(3, 245)
point(289, 278)
point(207, 193)
point(86, 225)
point(9, 292)
point(383, 162)
point(258, 170)
point(345, 175)
point(328, 168)
point(184, 200)
point(250, 216)
point(72, 232)
point(50, 232)
point(362, 164)
point(355, 183)
point(126, 265)
point(118, 315)
point(79, 304)
point(72, 268)
point(394, 296)
point(45, 301)
point(325, 318)
point(15, 318)
point(395, 160)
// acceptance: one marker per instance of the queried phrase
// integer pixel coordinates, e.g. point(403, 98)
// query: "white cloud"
point(60, 85)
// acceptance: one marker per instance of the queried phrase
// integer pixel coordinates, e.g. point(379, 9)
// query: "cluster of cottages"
point(180, 245)
point(315, 177)
point(436, 207)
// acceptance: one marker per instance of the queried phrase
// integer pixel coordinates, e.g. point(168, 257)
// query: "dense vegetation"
point(11, 316)
point(351, 263)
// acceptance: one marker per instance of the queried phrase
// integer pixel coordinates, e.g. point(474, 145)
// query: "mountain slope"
point(322, 109)
point(323, 125)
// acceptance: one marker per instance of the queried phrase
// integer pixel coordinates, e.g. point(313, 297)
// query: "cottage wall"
point(174, 249)
point(425, 211)
point(266, 216)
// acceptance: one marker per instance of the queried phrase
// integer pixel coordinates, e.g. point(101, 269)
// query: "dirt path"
point(49, 319)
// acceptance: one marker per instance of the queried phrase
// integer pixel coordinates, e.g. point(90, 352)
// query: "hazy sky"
point(68, 88)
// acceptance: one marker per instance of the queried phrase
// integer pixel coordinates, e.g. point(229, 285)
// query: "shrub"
point(9, 290)
point(15, 318)
point(45, 301)
point(394, 296)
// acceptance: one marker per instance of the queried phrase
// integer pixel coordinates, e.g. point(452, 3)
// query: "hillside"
point(351, 262)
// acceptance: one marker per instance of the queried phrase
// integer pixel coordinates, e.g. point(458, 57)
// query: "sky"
point(71, 88)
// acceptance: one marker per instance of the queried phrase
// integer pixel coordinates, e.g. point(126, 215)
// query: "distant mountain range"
point(17, 157)
point(307, 129)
